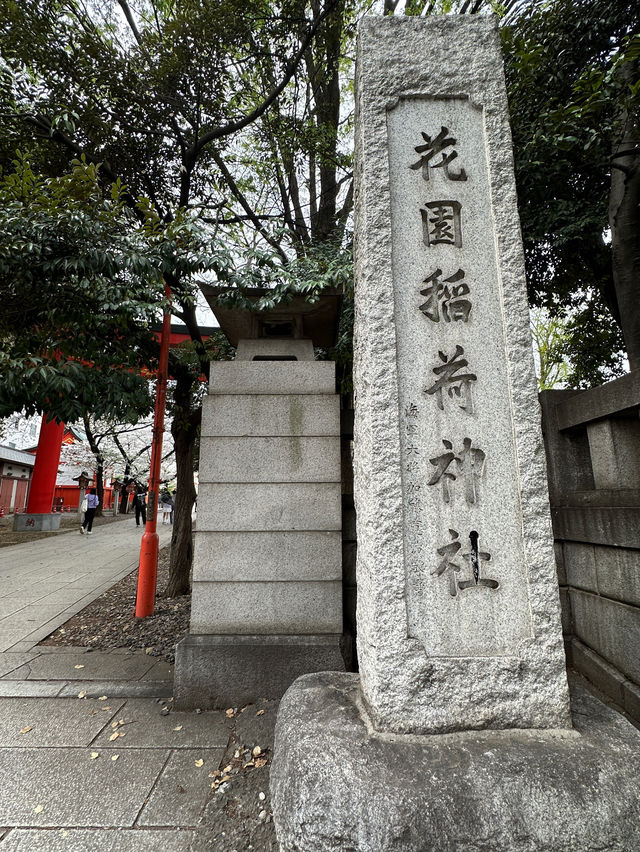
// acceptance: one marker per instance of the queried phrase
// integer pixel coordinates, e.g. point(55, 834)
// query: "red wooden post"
point(147, 572)
point(45, 470)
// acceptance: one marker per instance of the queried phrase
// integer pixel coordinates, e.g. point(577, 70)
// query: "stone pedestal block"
point(335, 784)
point(267, 591)
point(216, 672)
point(35, 522)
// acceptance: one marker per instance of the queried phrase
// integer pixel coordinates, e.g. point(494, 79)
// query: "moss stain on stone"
point(295, 430)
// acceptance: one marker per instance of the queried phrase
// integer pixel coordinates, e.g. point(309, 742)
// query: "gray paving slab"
point(116, 689)
point(183, 789)
point(65, 649)
point(29, 689)
point(72, 789)
point(10, 662)
point(97, 664)
point(54, 722)
point(106, 840)
point(161, 670)
point(146, 727)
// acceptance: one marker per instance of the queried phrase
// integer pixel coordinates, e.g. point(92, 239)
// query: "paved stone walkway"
point(44, 583)
point(69, 783)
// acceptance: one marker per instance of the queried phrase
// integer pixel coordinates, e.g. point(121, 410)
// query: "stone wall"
point(592, 441)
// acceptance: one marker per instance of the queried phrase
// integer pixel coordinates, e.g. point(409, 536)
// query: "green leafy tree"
point(80, 286)
point(154, 92)
point(574, 93)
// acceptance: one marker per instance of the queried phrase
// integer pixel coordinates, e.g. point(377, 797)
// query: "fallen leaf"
point(105, 708)
point(260, 761)
point(79, 667)
point(26, 729)
point(260, 713)
point(256, 751)
point(114, 724)
point(82, 694)
point(228, 768)
point(178, 728)
point(94, 754)
point(38, 809)
point(199, 762)
point(121, 721)
point(229, 712)
point(148, 650)
point(114, 737)
point(102, 698)
point(64, 832)
point(115, 757)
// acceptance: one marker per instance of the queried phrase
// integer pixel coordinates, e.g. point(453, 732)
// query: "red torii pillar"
point(45, 470)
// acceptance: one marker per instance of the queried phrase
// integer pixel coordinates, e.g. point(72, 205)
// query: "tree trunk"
point(184, 429)
point(624, 219)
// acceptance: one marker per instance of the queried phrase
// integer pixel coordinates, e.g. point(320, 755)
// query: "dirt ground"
point(67, 522)
point(109, 622)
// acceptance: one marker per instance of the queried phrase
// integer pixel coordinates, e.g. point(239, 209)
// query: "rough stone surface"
point(268, 555)
point(278, 459)
point(214, 672)
point(36, 522)
point(432, 660)
point(269, 506)
point(267, 607)
point(335, 786)
point(238, 415)
point(272, 377)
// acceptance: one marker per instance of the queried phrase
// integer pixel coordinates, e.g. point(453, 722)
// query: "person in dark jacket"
point(140, 505)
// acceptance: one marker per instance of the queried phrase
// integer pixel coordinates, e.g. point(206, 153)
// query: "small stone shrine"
point(267, 576)
point(458, 732)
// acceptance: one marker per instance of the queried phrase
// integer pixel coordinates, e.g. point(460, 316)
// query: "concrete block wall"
point(592, 440)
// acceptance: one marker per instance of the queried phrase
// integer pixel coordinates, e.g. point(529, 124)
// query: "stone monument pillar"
point(458, 610)
point(458, 607)
point(267, 575)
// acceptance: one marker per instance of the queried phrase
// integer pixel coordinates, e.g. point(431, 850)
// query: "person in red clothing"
point(89, 515)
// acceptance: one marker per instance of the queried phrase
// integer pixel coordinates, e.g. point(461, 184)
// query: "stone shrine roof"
point(296, 319)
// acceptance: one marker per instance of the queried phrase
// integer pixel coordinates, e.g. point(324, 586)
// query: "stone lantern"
point(267, 575)
point(117, 488)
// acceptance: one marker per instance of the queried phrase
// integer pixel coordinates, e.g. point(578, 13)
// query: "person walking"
point(166, 504)
point(140, 505)
point(89, 515)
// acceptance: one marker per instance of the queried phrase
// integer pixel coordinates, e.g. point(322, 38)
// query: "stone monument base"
point(337, 785)
point(215, 672)
point(36, 522)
